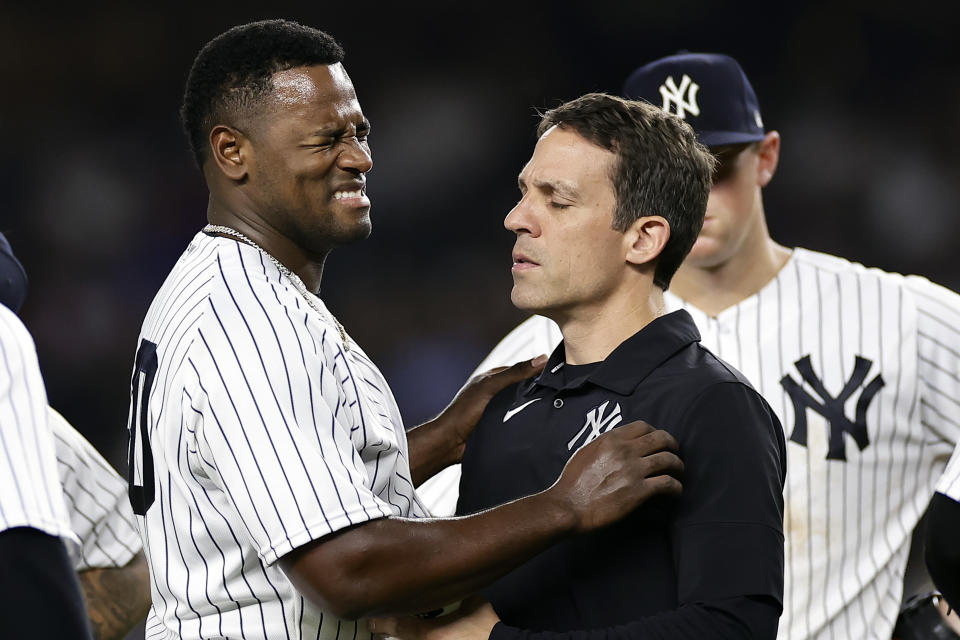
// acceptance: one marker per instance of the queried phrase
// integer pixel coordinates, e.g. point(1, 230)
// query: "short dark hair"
point(660, 168)
point(232, 73)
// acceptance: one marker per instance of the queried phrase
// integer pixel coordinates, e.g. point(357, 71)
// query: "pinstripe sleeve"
point(97, 502)
point(30, 494)
point(271, 430)
point(949, 483)
point(938, 366)
point(530, 338)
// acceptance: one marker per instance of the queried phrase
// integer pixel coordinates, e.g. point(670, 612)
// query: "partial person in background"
point(109, 559)
point(942, 540)
point(861, 366)
point(39, 594)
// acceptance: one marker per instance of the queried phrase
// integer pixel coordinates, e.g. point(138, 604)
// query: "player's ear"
point(230, 151)
point(768, 154)
point(646, 238)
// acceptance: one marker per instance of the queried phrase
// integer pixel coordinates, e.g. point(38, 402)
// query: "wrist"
point(558, 510)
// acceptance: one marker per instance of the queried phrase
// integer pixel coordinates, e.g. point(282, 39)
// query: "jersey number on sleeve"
point(145, 368)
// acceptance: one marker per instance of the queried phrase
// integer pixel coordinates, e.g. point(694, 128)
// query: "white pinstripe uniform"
point(949, 482)
point(266, 432)
point(886, 350)
point(96, 498)
point(30, 493)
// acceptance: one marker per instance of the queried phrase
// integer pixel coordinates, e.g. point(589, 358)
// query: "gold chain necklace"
point(294, 278)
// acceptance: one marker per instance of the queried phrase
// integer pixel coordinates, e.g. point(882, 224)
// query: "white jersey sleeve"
point(30, 493)
point(97, 503)
point(534, 336)
point(938, 367)
point(949, 483)
point(266, 423)
point(938, 332)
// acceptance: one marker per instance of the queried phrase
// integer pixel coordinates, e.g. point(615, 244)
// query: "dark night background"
point(99, 194)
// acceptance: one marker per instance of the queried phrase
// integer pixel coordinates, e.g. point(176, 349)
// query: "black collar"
point(631, 362)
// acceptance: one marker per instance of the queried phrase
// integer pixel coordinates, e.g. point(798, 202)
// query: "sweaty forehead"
point(310, 85)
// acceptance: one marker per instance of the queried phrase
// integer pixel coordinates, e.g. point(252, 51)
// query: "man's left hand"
point(436, 444)
point(474, 620)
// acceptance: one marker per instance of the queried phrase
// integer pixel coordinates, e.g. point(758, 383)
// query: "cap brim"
point(721, 138)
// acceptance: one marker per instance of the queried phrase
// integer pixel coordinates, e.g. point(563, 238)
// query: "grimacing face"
point(310, 159)
point(566, 255)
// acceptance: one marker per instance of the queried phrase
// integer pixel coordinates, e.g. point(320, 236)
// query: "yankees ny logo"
point(831, 407)
point(672, 94)
point(596, 424)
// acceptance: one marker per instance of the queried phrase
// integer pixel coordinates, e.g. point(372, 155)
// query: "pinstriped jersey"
point(96, 498)
point(863, 369)
point(949, 483)
point(254, 430)
point(30, 493)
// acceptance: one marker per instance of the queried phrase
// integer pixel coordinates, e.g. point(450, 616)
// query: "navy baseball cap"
point(708, 90)
point(13, 278)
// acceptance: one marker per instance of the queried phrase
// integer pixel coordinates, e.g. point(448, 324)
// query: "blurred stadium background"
point(99, 195)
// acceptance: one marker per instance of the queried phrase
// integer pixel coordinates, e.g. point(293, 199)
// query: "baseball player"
point(109, 560)
point(39, 593)
point(270, 472)
point(943, 532)
point(861, 366)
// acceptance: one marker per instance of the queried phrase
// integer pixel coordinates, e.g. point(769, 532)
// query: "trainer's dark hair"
point(660, 168)
point(232, 73)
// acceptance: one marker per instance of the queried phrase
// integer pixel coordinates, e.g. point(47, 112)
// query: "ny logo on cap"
point(672, 94)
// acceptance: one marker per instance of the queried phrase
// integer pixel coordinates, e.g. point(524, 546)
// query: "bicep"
point(281, 456)
point(728, 530)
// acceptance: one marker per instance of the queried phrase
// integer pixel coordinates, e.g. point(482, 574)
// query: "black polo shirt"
point(721, 539)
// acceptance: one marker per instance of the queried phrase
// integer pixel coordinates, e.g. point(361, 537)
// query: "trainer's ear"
point(230, 151)
point(646, 238)
point(768, 155)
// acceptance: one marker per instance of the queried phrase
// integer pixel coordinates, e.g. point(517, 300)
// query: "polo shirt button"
point(557, 403)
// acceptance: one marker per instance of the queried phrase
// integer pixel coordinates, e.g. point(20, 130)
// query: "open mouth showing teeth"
point(346, 195)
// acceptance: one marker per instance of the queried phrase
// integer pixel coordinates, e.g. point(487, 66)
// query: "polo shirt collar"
point(631, 362)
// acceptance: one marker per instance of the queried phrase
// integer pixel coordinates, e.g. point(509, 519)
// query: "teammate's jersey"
point(949, 483)
point(96, 498)
point(863, 369)
point(264, 431)
point(30, 493)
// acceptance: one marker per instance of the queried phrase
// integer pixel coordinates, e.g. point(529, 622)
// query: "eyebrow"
point(336, 132)
point(563, 188)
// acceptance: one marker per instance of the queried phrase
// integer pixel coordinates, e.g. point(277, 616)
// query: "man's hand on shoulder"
point(474, 620)
point(620, 470)
point(464, 411)
point(437, 444)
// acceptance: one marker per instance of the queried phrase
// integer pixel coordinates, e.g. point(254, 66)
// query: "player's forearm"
point(741, 618)
point(433, 448)
point(942, 553)
point(397, 566)
point(116, 598)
